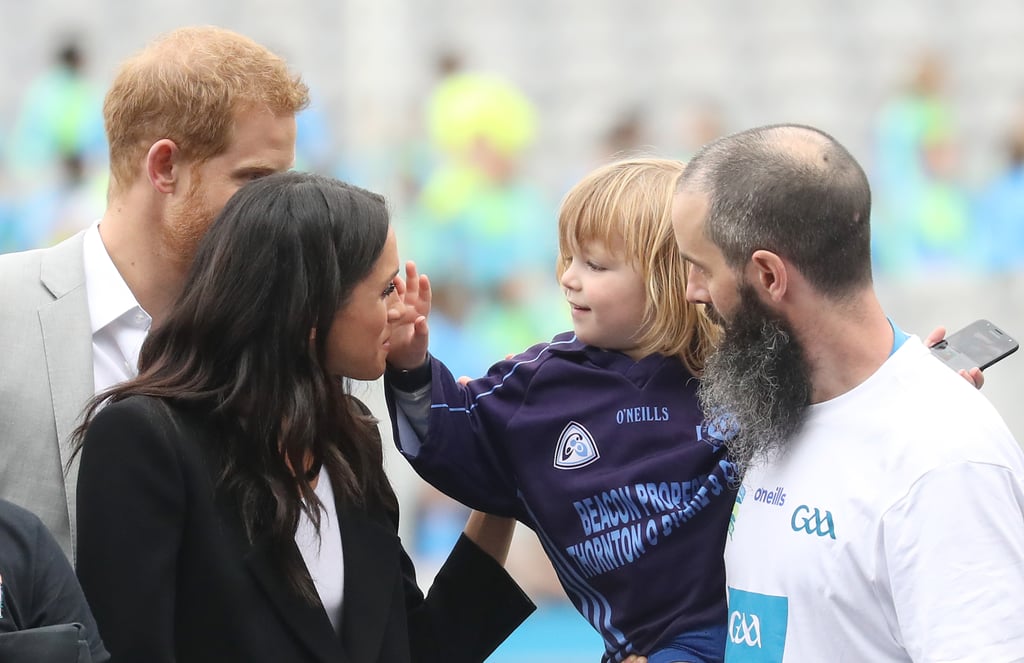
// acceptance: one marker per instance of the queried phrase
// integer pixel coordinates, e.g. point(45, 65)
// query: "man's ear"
point(162, 164)
point(768, 274)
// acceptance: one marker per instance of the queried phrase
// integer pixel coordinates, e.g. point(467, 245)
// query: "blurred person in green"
point(999, 211)
point(479, 227)
point(56, 155)
point(60, 116)
point(922, 210)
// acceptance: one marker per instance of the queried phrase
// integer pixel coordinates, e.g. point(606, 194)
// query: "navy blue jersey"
point(610, 462)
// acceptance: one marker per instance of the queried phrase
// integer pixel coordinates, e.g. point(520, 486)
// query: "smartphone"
point(979, 344)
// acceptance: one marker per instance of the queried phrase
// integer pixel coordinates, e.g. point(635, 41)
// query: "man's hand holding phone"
point(972, 349)
point(972, 375)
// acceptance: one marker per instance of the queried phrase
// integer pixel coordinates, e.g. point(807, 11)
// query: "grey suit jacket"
point(46, 379)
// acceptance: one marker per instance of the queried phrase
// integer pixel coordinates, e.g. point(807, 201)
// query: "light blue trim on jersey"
point(504, 379)
point(898, 336)
point(590, 598)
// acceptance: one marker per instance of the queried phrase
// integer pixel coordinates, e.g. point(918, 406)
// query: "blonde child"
point(595, 439)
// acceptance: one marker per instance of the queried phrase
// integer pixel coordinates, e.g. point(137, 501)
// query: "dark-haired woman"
point(232, 502)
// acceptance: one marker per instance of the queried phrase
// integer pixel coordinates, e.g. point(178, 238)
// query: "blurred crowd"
point(472, 217)
point(482, 226)
point(926, 220)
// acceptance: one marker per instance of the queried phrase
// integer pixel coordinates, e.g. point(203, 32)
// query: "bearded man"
point(881, 516)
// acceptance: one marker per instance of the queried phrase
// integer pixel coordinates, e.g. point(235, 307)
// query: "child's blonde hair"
point(628, 203)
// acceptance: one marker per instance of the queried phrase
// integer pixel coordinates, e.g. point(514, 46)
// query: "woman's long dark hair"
point(278, 262)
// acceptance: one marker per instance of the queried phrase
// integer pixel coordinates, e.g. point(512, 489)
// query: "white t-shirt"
point(893, 530)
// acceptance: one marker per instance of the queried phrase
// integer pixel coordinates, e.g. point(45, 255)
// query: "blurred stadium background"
point(474, 118)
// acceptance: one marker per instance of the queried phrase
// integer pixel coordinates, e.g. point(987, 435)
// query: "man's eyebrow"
point(686, 256)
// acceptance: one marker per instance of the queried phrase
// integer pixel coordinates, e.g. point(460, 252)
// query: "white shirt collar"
point(108, 294)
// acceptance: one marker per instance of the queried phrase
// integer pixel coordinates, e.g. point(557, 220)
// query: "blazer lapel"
point(67, 342)
point(309, 622)
point(372, 567)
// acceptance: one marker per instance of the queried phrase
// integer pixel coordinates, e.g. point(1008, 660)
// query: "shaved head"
point(793, 190)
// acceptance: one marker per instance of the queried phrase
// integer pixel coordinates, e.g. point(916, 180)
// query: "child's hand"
point(409, 332)
point(974, 376)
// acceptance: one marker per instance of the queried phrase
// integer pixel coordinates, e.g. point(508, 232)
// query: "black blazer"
point(170, 576)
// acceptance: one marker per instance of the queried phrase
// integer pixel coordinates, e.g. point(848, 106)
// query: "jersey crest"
point(716, 431)
point(576, 448)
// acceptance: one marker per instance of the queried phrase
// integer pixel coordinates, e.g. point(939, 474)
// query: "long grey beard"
point(756, 386)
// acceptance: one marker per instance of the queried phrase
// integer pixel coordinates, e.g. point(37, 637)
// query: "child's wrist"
point(409, 379)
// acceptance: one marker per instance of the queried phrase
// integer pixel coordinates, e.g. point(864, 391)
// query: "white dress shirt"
point(119, 324)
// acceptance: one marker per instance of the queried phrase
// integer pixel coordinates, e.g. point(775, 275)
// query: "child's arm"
point(448, 440)
point(449, 449)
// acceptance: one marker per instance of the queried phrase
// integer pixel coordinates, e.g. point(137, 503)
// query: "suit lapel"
point(67, 342)
point(372, 567)
point(309, 622)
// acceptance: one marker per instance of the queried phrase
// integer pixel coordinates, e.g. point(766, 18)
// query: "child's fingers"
point(421, 327)
point(410, 271)
point(411, 281)
point(424, 290)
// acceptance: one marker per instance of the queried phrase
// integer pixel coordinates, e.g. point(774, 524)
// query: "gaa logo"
point(745, 630)
point(813, 521)
point(757, 627)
